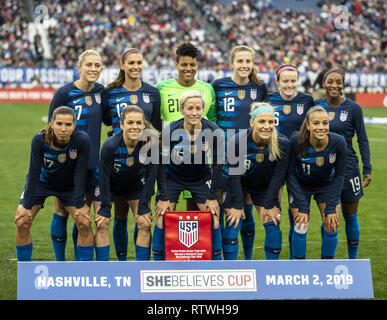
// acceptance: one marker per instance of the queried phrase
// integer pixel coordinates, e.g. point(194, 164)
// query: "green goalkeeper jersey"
point(170, 92)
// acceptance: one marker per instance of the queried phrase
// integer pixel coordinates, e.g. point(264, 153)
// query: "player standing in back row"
point(85, 97)
point(346, 119)
point(234, 96)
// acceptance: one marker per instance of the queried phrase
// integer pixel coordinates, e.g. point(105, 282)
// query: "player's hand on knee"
point(144, 221)
point(161, 207)
point(331, 222)
point(23, 216)
point(301, 220)
point(83, 215)
point(213, 206)
point(101, 222)
point(273, 215)
point(234, 216)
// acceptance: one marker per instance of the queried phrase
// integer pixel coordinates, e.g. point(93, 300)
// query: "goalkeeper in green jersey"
point(171, 89)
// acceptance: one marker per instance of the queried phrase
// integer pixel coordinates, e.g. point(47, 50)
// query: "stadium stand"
point(298, 31)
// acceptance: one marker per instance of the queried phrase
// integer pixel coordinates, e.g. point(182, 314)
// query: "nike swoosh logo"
point(227, 93)
point(119, 99)
point(76, 101)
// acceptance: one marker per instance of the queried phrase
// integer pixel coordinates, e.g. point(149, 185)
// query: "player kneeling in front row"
point(58, 167)
point(127, 178)
point(316, 167)
point(265, 163)
point(191, 160)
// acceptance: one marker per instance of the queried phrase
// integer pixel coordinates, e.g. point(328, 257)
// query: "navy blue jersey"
point(263, 173)
point(121, 171)
point(193, 161)
point(233, 102)
point(59, 170)
point(346, 120)
point(147, 98)
point(317, 171)
point(90, 112)
point(289, 114)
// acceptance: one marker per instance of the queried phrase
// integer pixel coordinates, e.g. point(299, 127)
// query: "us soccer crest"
point(133, 99)
point(259, 157)
point(62, 157)
point(145, 97)
point(129, 161)
point(331, 115)
point(320, 161)
point(241, 94)
point(187, 235)
point(287, 109)
point(253, 94)
point(332, 158)
point(88, 100)
point(97, 98)
point(188, 232)
point(343, 116)
point(73, 154)
point(300, 109)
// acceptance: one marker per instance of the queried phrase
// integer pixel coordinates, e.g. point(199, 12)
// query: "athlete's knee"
point(83, 222)
point(143, 224)
point(102, 224)
point(23, 220)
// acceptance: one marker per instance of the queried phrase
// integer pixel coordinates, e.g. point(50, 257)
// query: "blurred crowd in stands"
point(358, 41)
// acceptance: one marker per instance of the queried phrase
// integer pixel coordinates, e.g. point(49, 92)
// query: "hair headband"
point(284, 68)
point(129, 51)
point(332, 70)
point(260, 110)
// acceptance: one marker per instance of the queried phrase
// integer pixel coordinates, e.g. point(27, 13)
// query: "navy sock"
point(273, 241)
point(24, 253)
point(299, 243)
point(291, 228)
point(216, 244)
point(328, 244)
point(352, 230)
point(75, 240)
point(102, 253)
point(230, 242)
point(142, 253)
point(86, 253)
point(248, 232)
point(120, 238)
point(59, 236)
point(158, 244)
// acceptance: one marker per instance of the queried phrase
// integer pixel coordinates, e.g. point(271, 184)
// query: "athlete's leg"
point(352, 227)
point(248, 229)
point(23, 240)
point(329, 235)
point(59, 231)
point(85, 241)
point(120, 227)
point(101, 237)
point(298, 238)
point(142, 233)
point(273, 236)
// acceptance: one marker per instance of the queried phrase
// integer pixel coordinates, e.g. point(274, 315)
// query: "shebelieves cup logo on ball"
point(188, 232)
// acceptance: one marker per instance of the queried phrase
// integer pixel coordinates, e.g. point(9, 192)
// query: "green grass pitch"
point(21, 121)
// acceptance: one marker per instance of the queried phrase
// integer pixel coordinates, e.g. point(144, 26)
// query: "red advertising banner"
point(376, 100)
point(188, 235)
point(37, 95)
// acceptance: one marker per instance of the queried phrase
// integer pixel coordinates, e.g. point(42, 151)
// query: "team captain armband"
point(188, 235)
